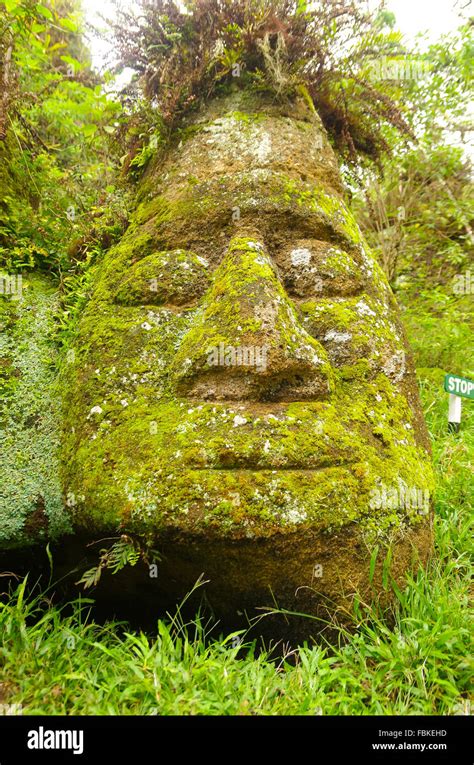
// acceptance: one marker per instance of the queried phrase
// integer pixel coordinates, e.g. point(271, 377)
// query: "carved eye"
point(313, 268)
point(173, 277)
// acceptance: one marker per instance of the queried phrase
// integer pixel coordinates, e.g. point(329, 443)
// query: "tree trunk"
point(5, 97)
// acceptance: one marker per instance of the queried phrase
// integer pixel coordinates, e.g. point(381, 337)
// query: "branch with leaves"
point(125, 551)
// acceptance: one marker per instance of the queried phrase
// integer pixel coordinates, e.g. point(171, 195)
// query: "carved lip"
point(299, 468)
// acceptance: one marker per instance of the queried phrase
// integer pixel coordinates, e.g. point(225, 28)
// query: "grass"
point(55, 662)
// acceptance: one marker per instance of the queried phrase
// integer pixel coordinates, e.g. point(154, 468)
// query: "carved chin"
point(239, 502)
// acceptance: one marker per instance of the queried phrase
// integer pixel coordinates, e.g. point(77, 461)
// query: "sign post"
point(458, 388)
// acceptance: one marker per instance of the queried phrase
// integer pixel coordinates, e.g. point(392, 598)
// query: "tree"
point(418, 215)
point(54, 133)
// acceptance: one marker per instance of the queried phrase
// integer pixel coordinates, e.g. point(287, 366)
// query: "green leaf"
point(373, 560)
point(38, 28)
point(90, 577)
point(89, 130)
point(386, 568)
point(73, 61)
point(57, 46)
point(43, 11)
point(50, 558)
point(68, 24)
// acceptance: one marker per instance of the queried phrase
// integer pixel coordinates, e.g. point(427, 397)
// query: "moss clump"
point(358, 332)
point(248, 118)
point(175, 277)
point(330, 206)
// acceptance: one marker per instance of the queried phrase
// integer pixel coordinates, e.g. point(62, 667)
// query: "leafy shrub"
point(185, 52)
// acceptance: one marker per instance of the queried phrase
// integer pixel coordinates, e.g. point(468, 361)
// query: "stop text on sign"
point(459, 386)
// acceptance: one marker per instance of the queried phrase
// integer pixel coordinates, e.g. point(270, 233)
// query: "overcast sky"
point(433, 16)
point(413, 16)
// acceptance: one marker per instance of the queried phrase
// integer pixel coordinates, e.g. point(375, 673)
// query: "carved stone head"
point(241, 391)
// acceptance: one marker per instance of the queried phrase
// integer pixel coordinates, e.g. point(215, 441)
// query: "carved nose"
point(246, 342)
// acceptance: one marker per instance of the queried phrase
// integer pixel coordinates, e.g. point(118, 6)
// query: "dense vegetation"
point(71, 153)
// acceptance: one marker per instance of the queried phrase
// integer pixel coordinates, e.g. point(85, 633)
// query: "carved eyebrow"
point(300, 213)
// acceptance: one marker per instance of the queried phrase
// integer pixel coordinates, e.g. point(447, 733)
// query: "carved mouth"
point(274, 468)
point(270, 452)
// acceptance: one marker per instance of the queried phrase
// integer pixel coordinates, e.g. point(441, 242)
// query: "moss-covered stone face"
point(241, 375)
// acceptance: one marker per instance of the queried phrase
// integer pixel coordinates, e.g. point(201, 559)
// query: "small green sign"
point(459, 386)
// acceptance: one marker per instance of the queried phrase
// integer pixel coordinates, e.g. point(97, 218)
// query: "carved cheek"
point(175, 278)
point(312, 268)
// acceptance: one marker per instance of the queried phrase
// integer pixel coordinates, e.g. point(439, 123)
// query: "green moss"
point(316, 200)
point(233, 313)
point(303, 91)
point(158, 208)
point(247, 118)
point(285, 470)
point(175, 276)
point(162, 210)
point(185, 133)
point(340, 262)
point(369, 331)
